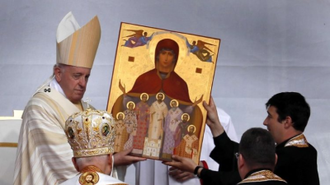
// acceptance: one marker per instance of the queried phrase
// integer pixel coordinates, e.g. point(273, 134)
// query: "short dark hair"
point(291, 104)
point(257, 147)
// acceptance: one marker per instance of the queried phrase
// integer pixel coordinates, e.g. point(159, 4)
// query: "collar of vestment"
point(299, 141)
point(54, 85)
point(261, 176)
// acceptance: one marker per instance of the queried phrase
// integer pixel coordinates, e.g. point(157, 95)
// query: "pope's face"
point(73, 81)
point(166, 59)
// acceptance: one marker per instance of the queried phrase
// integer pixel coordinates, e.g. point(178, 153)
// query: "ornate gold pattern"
point(91, 133)
point(89, 178)
point(299, 141)
point(260, 176)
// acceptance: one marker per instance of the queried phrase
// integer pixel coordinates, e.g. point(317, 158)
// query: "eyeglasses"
point(237, 155)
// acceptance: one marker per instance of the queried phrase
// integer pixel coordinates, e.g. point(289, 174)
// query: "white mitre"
point(77, 46)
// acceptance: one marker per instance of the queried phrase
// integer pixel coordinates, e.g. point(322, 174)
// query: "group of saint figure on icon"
point(156, 130)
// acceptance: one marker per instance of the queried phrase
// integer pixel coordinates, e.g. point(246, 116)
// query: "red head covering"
point(167, 44)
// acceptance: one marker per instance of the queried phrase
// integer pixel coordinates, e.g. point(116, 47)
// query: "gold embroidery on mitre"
point(299, 141)
point(89, 178)
point(91, 133)
point(261, 176)
point(77, 46)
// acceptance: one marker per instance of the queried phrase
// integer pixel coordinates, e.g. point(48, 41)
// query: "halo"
point(144, 94)
point(117, 116)
point(185, 114)
point(174, 100)
point(190, 127)
point(127, 105)
point(179, 39)
point(162, 94)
